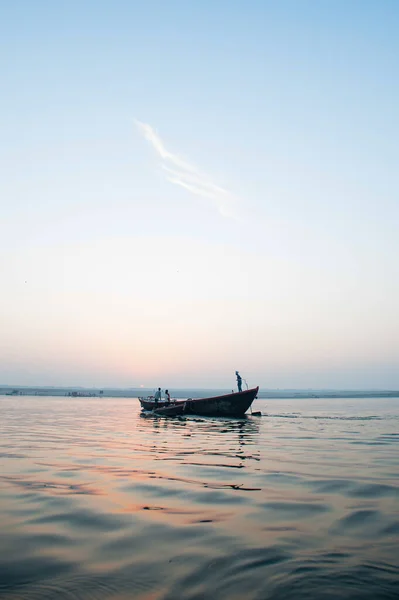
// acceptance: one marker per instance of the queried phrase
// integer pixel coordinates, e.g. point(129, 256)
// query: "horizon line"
point(290, 389)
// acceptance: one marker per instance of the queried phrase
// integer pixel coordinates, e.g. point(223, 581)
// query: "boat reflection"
point(205, 436)
point(215, 424)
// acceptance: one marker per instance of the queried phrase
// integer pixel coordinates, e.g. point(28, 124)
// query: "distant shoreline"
point(189, 392)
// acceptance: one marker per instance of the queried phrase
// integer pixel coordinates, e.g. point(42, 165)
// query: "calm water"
point(98, 502)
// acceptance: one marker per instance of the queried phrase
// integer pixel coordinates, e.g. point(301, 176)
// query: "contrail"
point(188, 176)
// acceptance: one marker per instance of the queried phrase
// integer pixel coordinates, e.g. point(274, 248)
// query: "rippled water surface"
point(100, 502)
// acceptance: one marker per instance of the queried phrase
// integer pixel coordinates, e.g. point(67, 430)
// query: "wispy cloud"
point(188, 176)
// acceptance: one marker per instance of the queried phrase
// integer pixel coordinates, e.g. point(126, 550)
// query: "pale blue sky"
point(273, 249)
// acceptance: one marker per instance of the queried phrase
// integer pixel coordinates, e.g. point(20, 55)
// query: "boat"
point(235, 404)
point(149, 403)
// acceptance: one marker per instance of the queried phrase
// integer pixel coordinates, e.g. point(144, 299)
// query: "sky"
point(192, 188)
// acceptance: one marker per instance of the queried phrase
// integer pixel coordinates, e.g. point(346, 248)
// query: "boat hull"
point(151, 405)
point(229, 405)
point(171, 411)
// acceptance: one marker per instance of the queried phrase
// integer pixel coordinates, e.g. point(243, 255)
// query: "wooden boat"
point(228, 405)
point(150, 404)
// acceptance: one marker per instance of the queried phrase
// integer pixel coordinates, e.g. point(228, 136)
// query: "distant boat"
point(228, 405)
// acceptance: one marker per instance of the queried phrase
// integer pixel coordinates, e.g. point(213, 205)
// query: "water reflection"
point(213, 441)
point(246, 427)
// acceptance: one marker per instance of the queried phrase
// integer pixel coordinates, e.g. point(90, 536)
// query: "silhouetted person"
point(167, 396)
point(239, 381)
point(158, 396)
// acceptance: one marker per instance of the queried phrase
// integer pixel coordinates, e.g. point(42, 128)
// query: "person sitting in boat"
point(239, 381)
point(158, 395)
point(167, 396)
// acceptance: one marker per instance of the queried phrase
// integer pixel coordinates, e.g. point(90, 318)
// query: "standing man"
point(239, 381)
point(157, 396)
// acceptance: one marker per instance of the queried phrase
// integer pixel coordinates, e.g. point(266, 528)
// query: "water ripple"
point(98, 502)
